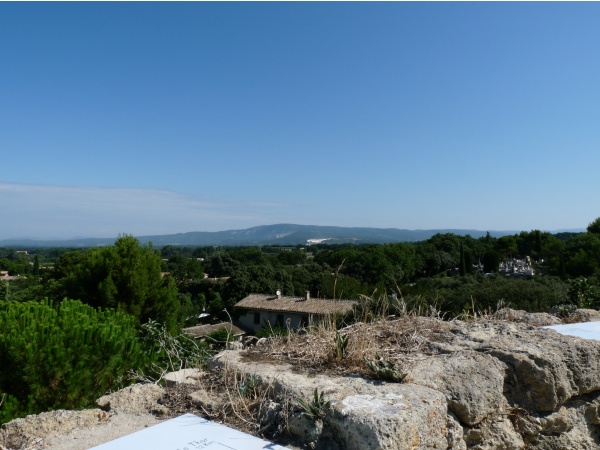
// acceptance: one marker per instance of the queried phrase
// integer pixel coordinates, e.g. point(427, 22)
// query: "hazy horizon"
point(83, 236)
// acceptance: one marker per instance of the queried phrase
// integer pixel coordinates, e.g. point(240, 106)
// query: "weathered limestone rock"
point(48, 424)
point(472, 382)
point(205, 400)
point(506, 385)
point(565, 428)
point(365, 414)
point(517, 315)
point(494, 433)
point(136, 399)
point(270, 417)
point(413, 417)
point(456, 440)
point(307, 431)
point(557, 422)
point(483, 385)
point(183, 376)
point(544, 368)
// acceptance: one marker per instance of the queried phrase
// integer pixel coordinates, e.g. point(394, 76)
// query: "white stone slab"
point(189, 432)
point(586, 330)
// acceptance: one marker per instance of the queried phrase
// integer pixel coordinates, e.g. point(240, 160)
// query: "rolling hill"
point(279, 234)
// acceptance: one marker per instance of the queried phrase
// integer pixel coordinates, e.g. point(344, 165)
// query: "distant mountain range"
point(280, 234)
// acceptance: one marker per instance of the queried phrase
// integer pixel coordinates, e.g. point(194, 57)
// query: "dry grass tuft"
point(234, 399)
point(399, 341)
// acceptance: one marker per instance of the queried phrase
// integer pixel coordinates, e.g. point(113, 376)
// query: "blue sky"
point(156, 118)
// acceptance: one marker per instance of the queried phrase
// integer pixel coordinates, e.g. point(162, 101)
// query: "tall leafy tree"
point(491, 261)
point(594, 227)
point(126, 276)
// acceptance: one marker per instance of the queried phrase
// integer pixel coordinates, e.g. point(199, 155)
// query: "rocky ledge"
point(487, 384)
point(480, 385)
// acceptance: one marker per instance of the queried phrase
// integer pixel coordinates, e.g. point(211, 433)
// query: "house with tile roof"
point(4, 276)
point(260, 310)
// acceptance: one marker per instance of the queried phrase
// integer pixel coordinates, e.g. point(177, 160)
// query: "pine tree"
point(63, 356)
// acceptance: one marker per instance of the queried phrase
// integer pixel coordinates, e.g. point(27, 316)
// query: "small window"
point(257, 318)
point(280, 320)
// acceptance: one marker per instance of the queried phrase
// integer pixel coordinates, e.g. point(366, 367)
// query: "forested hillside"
point(278, 234)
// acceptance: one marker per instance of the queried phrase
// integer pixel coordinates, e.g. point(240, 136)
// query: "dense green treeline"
point(176, 283)
point(60, 353)
point(454, 272)
point(125, 276)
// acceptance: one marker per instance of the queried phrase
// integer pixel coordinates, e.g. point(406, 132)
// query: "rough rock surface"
point(506, 385)
point(412, 417)
point(71, 430)
point(183, 376)
point(550, 389)
point(585, 315)
point(472, 382)
point(517, 315)
point(50, 424)
point(117, 425)
point(479, 385)
point(544, 368)
point(365, 414)
point(136, 399)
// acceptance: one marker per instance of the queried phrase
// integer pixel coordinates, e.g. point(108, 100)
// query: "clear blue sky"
point(155, 118)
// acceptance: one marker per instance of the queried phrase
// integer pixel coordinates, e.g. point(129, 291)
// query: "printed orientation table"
point(189, 432)
point(586, 330)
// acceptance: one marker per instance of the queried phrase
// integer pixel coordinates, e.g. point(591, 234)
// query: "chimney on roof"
point(278, 293)
point(307, 297)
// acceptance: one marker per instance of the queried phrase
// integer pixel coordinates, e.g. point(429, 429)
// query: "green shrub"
point(63, 356)
point(221, 337)
point(269, 331)
point(455, 295)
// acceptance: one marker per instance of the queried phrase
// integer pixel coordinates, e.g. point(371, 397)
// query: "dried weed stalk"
point(400, 341)
point(236, 399)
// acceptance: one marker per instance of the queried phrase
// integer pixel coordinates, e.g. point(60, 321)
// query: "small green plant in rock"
point(248, 387)
point(384, 369)
point(341, 345)
point(316, 408)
